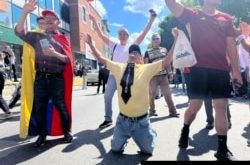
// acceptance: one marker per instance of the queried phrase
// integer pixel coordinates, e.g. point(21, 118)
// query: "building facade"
point(81, 24)
point(74, 21)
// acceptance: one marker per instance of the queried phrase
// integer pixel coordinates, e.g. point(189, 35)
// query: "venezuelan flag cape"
point(28, 124)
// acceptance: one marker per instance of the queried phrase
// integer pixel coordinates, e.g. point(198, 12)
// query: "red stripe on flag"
point(90, 0)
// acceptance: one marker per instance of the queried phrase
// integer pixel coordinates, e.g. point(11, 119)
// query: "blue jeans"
point(140, 130)
point(108, 96)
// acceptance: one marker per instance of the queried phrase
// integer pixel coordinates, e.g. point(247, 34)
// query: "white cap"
point(124, 30)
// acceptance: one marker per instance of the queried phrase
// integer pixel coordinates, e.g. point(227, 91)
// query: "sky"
point(131, 14)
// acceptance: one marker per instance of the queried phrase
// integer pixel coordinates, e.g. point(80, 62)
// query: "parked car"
point(92, 77)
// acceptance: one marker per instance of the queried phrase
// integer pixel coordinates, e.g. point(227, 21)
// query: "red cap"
point(50, 12)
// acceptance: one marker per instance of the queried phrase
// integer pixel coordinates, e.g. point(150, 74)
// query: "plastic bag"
point(183, 54)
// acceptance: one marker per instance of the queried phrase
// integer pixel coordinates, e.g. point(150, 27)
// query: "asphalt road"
point(92, 145)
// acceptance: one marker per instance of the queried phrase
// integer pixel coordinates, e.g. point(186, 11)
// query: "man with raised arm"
point(132, 80)
point(212, 39)
point(119, 54)
point(51, 88)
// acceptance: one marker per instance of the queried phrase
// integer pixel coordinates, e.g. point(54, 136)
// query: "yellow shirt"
point(139, 101)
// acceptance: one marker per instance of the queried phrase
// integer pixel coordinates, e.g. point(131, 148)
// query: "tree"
point(239, 9)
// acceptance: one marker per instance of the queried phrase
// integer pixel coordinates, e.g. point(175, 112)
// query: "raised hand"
point(29, 6)
point(87, 38)
point(245, 28)
point(175, 32)
point(152, 13)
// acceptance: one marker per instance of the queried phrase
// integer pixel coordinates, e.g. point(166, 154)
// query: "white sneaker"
point(6, 116)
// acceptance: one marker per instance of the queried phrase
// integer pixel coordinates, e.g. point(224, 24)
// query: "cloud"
point(99, 7)
point(116, 24)
point(142, 6)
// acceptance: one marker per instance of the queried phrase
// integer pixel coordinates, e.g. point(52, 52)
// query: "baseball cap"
point(50, 12)
point(134, 48)
point(124, 30)
point(156, 35)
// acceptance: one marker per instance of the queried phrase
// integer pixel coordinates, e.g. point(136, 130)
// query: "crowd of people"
point(222, 54)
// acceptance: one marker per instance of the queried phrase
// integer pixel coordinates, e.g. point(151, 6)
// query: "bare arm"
point(169, 58)
point(246, 45)
point(104, 38)
point(28, 7)
point(245, 32)
point(96, 53)
point(234, 59)
point(175, 7)
point(141, 37)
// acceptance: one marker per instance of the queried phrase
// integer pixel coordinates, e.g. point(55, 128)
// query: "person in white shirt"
point(119, 54)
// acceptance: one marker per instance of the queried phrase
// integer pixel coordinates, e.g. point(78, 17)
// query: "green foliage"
point(240, 9)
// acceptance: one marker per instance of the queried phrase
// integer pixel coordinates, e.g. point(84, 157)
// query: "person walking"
point(3, 105)
point(53, 79)
point(212, 38)
point(119, 54)
point(161, 79)
point(103, 75)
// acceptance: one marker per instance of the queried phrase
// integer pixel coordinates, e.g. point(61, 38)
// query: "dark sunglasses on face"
point(155, 39)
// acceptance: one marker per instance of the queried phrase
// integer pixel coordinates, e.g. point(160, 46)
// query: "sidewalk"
point(10, 86)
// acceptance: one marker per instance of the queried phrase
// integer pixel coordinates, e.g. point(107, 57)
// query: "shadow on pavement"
point(182, 105)
point(246, 133)
point(122, 159)
point(202, 143)
point(87, 137)
point(182, 155)
point(15, 151)
point(15, 118)
point(155, 119)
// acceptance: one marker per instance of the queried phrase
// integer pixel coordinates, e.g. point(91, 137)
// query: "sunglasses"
point(155, 38)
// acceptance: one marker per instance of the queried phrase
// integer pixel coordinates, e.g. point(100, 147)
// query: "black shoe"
point(209, 126)
point(144, 153)
point(68, 138)
point(105, 124)
point(153, 114)
point(40, 141)
point(225, 156)
point(183, 142)
point(174, 115)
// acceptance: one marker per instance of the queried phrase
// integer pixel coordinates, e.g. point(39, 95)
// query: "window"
point(16, 14)
point(5, 18)
point(84, 19)
point(48, 4)
point(42, 4)
point(57, 6)
point(33, 23)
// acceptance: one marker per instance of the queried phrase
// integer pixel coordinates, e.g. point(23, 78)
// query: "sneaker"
point(209, 126)
point(40, 141)
point(153, 114)
point(105, 124)
point(225, 156)
point(6, 116)
point(68, 138)
point(174, 114)
point(183, 142)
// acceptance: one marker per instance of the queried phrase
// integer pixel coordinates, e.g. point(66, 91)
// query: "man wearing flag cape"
point(46, 79)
